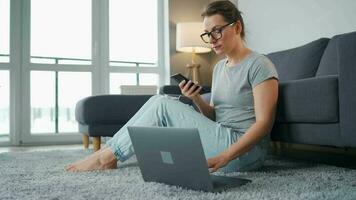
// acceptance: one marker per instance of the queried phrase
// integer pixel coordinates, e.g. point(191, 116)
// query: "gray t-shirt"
point(232, 90)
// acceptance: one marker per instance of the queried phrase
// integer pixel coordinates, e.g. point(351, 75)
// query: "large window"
point(4, 102)
point(4, 66)
point(133, 43)
point(53, 99)
point(133, 31)
point(43, 101)
point(119, 79)
point(61, 31)
point(72, 86)
point(63, 51)
point(60, 44)
point(4, 30)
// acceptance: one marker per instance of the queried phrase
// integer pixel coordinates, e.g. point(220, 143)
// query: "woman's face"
point(228, 34)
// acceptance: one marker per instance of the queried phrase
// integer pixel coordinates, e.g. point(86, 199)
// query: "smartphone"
point(179, 78)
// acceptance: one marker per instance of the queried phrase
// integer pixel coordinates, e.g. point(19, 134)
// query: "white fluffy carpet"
point(41, 175)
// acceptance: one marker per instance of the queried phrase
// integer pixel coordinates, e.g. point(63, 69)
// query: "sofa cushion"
point(312, 100)
point(301, 62)
point(308, 133)
point(329, 60)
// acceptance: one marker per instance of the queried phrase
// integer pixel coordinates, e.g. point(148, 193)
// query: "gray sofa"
point(317, 93)
point(317, 100)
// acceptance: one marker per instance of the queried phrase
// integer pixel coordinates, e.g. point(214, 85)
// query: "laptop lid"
point(171, 155)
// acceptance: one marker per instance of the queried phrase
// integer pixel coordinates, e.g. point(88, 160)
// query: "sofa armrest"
point(347, 87)
point(174, 90)
point(170, 90)
point(108, 109)
point(309, 100)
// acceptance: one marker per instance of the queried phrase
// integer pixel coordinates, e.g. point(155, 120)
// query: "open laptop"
point(175, 156)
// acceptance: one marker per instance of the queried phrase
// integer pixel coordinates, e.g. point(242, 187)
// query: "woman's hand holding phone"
point(189, 89)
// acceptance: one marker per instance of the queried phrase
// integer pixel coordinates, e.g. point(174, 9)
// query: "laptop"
point(175, 156)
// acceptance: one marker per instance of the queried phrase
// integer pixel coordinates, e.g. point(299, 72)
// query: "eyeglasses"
point(215, 33)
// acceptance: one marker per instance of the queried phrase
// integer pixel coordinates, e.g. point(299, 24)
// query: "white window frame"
point(20, 67)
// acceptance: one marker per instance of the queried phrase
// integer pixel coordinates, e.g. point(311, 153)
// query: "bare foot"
point(100, 160)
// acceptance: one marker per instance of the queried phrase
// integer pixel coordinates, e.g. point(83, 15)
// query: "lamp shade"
point(188, 38)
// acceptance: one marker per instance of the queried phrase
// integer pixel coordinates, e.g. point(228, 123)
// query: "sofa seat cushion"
point(312, 100)
point(301, 62)
point(308, 133)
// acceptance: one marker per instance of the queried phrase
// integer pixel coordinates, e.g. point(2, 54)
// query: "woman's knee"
point(155, 98)
point(158, 100)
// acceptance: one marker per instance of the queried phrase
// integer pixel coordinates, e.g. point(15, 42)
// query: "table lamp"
point(188, 40)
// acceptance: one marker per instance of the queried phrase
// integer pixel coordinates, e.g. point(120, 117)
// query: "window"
point(61, 31)
point(133, 31)
point(4, 30)
point(64, 51)
point(133, 43)
point(4, 67)
point(148, 79)
point(72, 86)
point(53, 99)
point(4, 102)
point(60, 69)
point(43, 102)
point(119, 79)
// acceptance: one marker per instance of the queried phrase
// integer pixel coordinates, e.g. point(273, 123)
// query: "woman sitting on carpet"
point(234, 128)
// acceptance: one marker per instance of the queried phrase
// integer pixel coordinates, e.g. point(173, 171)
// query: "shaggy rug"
point(41, 175)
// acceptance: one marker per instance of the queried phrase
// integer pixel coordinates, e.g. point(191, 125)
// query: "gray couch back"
point(328, 63)
point(337, 53)
point(318, 58)
point(301, 62)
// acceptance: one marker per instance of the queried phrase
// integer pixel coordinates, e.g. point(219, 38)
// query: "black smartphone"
point(179, 78)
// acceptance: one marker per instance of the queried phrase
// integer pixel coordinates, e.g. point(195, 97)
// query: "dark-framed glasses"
point(215, 33)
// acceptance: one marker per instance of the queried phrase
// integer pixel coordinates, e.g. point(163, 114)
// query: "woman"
point(234, 127)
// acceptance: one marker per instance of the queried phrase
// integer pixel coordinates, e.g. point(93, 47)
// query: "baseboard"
point(343, 157)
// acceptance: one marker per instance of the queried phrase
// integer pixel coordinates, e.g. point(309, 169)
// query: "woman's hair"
point(227, 10)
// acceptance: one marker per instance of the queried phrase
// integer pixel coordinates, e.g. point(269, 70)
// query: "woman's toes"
point(70, 168)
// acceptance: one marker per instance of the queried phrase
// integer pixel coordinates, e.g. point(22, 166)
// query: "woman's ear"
point(238, 28)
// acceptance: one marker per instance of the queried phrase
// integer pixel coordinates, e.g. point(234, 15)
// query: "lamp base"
point(192, 72)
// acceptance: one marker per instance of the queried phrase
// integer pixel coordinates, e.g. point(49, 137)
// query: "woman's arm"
point(265, 102)
point(204, 107)
point(193, 94)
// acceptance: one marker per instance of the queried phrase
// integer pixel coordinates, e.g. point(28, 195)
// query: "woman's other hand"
point(218, 162)
point(190, 89)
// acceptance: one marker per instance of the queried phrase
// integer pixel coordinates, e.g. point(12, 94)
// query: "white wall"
point(281, 24)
